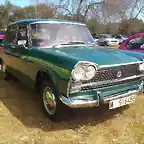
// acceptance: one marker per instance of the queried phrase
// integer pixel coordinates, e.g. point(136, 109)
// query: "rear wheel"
point(2, 65)
point(51, 103)
point(7, 75)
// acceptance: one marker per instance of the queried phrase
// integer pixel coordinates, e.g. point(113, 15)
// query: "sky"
point(23, 3)
point(18, 2)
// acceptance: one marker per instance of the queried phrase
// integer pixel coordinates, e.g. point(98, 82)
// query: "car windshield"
point(52, 34)
point(108, 36)
point(124, 36)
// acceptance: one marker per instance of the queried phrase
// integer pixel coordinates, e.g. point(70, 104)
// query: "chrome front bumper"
point(77, 103)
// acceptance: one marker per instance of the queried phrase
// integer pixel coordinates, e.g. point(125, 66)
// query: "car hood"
point(137, 50)
point(137, 54)
point(98, 55)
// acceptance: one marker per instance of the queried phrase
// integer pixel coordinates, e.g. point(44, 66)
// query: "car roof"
point(27, 21)
point(105, 34)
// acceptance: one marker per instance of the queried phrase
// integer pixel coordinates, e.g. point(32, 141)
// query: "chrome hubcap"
point(49, 101)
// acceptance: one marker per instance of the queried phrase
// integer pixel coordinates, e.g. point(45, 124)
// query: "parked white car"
point(120, 37)
point(95, 38)
point(107, 40)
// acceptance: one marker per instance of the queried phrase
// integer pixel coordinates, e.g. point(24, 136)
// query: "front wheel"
point(51, 103)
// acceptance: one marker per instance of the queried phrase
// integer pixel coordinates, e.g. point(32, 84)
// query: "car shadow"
point(23, 103)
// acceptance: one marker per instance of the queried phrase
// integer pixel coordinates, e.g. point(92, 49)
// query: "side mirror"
point(22, 44)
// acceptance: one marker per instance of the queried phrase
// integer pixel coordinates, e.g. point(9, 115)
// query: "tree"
point(77, 8)
point(6, 11)
point(44, 11)
point(93, 26)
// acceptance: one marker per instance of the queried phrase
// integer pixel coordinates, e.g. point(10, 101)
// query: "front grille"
point(111, 73)
point(113, 41)
point(98, 86)
point(107, 77)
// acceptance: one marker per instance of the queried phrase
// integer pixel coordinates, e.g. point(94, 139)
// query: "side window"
point(11, 34)
point(96, 37)
point(136, 43)
point(118, 37)
point(100, 36)
point(23, 35)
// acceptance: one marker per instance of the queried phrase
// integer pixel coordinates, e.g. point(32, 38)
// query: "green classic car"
point(59, 59)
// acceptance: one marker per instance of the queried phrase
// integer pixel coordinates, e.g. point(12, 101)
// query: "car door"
point(23, 65)
point(8, 49)
point(15, 54)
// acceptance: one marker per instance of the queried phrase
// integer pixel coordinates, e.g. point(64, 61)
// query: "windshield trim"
point(58, 22)
point(63, 46)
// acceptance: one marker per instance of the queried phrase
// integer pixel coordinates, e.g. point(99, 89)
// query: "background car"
point(120, 37)
point(95, 37)
point(2, 35)
point(107, 40)
point(134, 43)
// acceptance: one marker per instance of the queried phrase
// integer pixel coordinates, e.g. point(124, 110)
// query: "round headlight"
point(141, 67)
point(90, 72)
point(79, 73)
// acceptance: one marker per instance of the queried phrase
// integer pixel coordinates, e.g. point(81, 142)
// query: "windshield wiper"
point(71, 43)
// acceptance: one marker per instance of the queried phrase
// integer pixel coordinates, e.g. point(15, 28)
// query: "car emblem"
point(119, 74)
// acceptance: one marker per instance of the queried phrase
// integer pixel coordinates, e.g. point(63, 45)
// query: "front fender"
point(49, 73)
point(59, 76)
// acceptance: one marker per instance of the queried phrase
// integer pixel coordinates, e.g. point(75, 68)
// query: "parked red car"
point(134, 42)
point(2, 35)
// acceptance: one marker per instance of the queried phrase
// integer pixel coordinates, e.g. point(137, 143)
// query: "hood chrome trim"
point(115, 65)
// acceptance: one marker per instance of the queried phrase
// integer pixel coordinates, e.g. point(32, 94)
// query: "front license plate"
point(122, 101)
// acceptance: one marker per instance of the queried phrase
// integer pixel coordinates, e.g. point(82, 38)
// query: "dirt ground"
point(22, 121)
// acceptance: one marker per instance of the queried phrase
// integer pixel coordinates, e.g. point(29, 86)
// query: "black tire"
point(0, 61)
point(2, 65)
point(105, 43)
point(7, 76)
point(57, 114)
